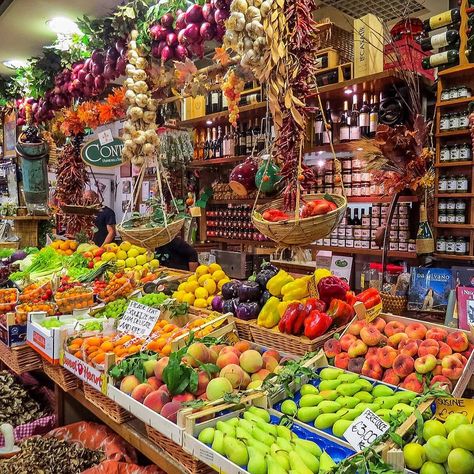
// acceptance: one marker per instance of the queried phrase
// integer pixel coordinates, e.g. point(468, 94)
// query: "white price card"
point(138, 319)
point(105, 137)
point(365, 430)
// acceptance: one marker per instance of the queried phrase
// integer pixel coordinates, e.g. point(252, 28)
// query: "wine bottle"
point(212, 151)
point(443, 19)
point(249, 139)
point(318, 128)
point(364, 119)
point(355, 128)
point(215, 101)
point(242, 141)
point(208, 104)
point(207, 145)
point(327, 133)
point(374, 117)
point(440, 40)
point(344, 127)
point(424, 236)
point(231, 142)
point(440, 59)
point(225, 103)
point(218, 149)
point(356, 220)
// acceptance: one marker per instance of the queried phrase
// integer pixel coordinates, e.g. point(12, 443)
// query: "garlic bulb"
point(139, 75)
point(265, 7)
point(142, 63)
point(239, 6)
point(140, 87)
point(133, 35)
point(253, 13)
point(130, 69)
point(236, 21)
point(149, 116)
point(141, 100)
point(130, 96)
point(132, 44)
point(148, 148)
point(151, 105)
point(135, 113)
point(139, 138)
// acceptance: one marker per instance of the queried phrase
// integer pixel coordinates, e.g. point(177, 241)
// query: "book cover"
point(451, 318)
point(429, 289)
point(462, 276)
point(465, 296)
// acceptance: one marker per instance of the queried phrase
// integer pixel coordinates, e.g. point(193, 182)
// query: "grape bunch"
point(232, 87)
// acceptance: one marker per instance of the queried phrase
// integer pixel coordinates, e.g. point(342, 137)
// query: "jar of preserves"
point(453, 121)
point(462, 184)
point(442, 184)
point(450, 218)
point(463, 91)
point(441, 245)
point(454, 153)
point(453, 93)
point(463, 119)
point(460, 205)
point(444, 94)
point(465, 152)
point(451, 184)
point(356, 190)
point(412, 245)
point(394, 245)
point(460, 217)
point(442, 205)
point(444, 123)
point(461, 246)
point(364, 244)
point(444, 154)
point(450, 245)
point(442, 218)
point(403, 246)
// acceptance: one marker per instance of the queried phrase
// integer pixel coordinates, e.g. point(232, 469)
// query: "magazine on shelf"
point(465, 297)
point(429, 289)
point(462, 276)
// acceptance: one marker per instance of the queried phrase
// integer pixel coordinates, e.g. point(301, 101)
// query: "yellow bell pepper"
point(269, 315)
point(320, 273)
point(276, 283)
point(282, 307)
point(295, 290)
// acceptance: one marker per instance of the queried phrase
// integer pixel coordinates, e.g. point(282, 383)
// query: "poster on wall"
point(9, 135)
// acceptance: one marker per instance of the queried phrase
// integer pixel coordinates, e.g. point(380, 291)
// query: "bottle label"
point(355, 132)
point(439, 59)
point(440, 20)
point(318, 127)
point(344, 133)
point(439, 41)
point(326, 137)
point(363, 119)
point(374, 122)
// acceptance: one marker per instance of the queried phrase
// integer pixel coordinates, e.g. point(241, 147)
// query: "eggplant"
point(228, 307)
point(249, 291)
point(231, 289)
point(266, 295)
point(217, 303)
point(248, 310)
point(267, 271)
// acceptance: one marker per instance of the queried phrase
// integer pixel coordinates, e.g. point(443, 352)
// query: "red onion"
point(191, 33)
point(220, 16)
point(120, 45)
point(197, 49)
point(220, 32)
point(97, 56)
point(166, 53)
point(220, 4)
point(109, 71)
point(181, 52)
point(207, 31)
point(194, 14)
point(158, 48)
point(182, 38)
point(208, 13)
point(89, 79)
point(167, 20)
point(121, 64)
point(97, 68)
point(99, 82)
point(81, 75)
point(181, 21)
point(158, 32)
point(87, 64)
point(171, 39)
point(112, 54)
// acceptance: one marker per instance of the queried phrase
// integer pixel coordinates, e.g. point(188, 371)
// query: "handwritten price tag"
point(105, 137)
point(365, 430)
point(447, 406)
point(372, 313)
point(138, 319)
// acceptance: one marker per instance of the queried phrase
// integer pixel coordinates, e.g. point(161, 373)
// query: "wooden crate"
point(105, 404)
point(20, 358)
point(62, 377)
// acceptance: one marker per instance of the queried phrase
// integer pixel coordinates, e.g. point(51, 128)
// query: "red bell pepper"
point(290, 315)
point(370, 298)
point(332, 287)
point(340, 311)
point(351, 298)
point(311, 305)
point(316, 324)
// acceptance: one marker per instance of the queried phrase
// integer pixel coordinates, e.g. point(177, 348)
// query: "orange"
point(166, 350)
point(69, 252)
point(133, 348)
point(99, 359)
point(107, 346)
point(91, 349)
point(64, 245)
point(93, 341)
point(78, 354)
point(72, 245)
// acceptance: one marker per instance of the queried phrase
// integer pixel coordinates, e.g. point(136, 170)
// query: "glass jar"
point(444, 154)
point(441, 245)
point(453, 93)
point(462, 184)
point(461, 246)
point(445, 94)
point(451, 184)
point(394, 245)
point(460, 217)
point(465, 152)
point(454, 153)
point(453, 121)
point(442, 205)
point(451, 205)
point(403, 246)
point(442, 184)
point(356, 189)
point(412, 245)
point(357, 232)
point(460, 206)
point(450, 245)
point(442, 218)
point(347, 177)
point(450, 217)
point(404, 234)
point(444, 123)
point(464, 91)
point(463, 119)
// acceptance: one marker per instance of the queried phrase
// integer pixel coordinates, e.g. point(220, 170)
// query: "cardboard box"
point(194, 107)
point(368, 45)
point(12, 334)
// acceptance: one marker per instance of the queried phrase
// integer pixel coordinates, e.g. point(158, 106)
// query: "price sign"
point(372, 313)
point(105, 137)
point(447, 406)
point(365, 430)
point(138, 319)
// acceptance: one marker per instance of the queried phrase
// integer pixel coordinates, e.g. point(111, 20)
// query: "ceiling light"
point(15, 63)
point(348, 91)
point(209, 122)
point(63, 26)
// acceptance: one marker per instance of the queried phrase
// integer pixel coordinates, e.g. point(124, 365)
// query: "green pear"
point(246, 425)
point(340, 427)
point(348, 378)
point(352, 414)
point(267, 427)
point(273, 467)
point(329, 394)
point(326, 420)
point(403, 407)
point(382, 391)
point(283, 432)
point(326, 406)
point(308, 389)
point(307, 414)
point(242, 434)
point(365, 385)
point(362, 406)
point(284, 444)
point(365, 397)
point(257, 463)
point(326, 463)
point(329, 384)
point(310, 461)
point(384, 413)
point(348, 402)
point(289, 407)
point(342, 411)
point(348, 389)
point(233, 421)
point(330, 373)
point(310, 400)
point(206, 436)
point(218, 442)
point(258, 445)
point(387, 402)
point(236, 451)
point(260, 435)
point(281, 456)
point(260, 412)
point(297, 464)
point(249, 416)
point(309, 446)
point(225, 428)
point(405, 396)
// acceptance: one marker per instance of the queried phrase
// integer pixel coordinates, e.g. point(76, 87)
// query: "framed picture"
point(126, 186)
point(9, 135)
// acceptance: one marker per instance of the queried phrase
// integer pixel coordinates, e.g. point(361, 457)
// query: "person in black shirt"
point(178, 254)
point(105, 221)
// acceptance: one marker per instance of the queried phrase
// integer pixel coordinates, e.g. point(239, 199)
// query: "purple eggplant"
point(217, 303)
point(248, 310)
point(231, 289)
point(266, 295)
point(266, 272)
point(249, 291)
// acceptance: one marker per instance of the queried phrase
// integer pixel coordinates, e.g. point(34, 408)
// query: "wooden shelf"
point(196, 164)
point(373, 252)
point(263, 200)
point(464, 69)
point(454, 195)
point(454, 102)
point(451, 164)
point(443, 256)
point(453, 133)
point(455, 226)
point(25, 218)
point(255, 243)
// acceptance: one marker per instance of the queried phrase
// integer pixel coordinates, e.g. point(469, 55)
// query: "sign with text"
point(365, 430)
point(85, 372)
point(102, 152)
point(138, 319)
point(447, 406)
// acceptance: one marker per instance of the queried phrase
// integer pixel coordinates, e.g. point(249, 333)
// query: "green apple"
point(461, 461)
point(454, 420)
point(437, 449)
point(464, 437)
point(432, 428)
point(432, 468)
point(414, 455)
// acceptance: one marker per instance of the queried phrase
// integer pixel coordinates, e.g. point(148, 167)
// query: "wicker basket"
point(304, 231)
point(79, 210)
point(153, 237)
point(394, 304)
point(108, 406)
point(62, 377)
point(243, 329)
point(190, 463)
point(20, 359)
point(10, 245)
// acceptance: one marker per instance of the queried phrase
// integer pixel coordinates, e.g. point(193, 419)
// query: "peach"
point(183, 397)
point(452, 367)
point(234, 374)
point(356, 326)
point(270, 363)
point(386, 356)
point(217, 348)
point(271, 353)
point(444, 350)
point(458, 341)
point(217, 388)
point(203, 380)
point(395, 339)
point(443, 382)
point(393, 327)
point(198, 353)
point(467, 353)
point(141, 391)
point(154, 382)
point(149, 366)
point(379, 323)
point(342, 360)
point(429, 346)
point(372, 353)
point(357, 348)
point(246, 380)
point(170, 411)
point(460, 357)
point(165, 389)
point(346, 341)
point(372, 369)
point(227, 358)
point(425, 364)
point(415, 331)
point(370, 335)
point(332, 347)
point(251, 361)
point(160, 366)
point(213, 355)
point(128, 384)
point(412, 383)
point(408, 347)
point(403, 365)
point(227, 349)
point(391, 377)
point(438, 370)
point(242, 346)
point(260, 375)
point(438, 334)
point(355, 365)
point(156, 400)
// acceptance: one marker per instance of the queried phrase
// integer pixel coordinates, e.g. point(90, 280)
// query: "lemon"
point(188, 298)
point(107, 256)
point(192, 286)
point(209, 300)
point(125, 246)
point(154, 263)
point(201, 293)
point(120, 263)
point(202, 270)
point(179, 295)
point(98, 264)
point(210, 286)
point(141, 259)
point(130, 262)
point(213, 267)
point(132, 253)
point(141, 250)
point(138, 268)
point(203, 278)
point(182, 287)
point(122, 255)
point(222, 283)
point(200, 303)
point(192, 278)
point(218, 275)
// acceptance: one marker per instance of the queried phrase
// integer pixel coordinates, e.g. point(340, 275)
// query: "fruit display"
point(77, 297)
point(114, 309)
point(316, 207)
point(445, 447)
point(332, 402)
point(22, 310)
point(36, 292)
point(118, 287)
point(256, 441)
point(8, 299)
point(199, 289)
point(410, 355)
point(64, 247)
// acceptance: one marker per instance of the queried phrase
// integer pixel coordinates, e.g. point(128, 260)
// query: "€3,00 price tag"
point(365, 430)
